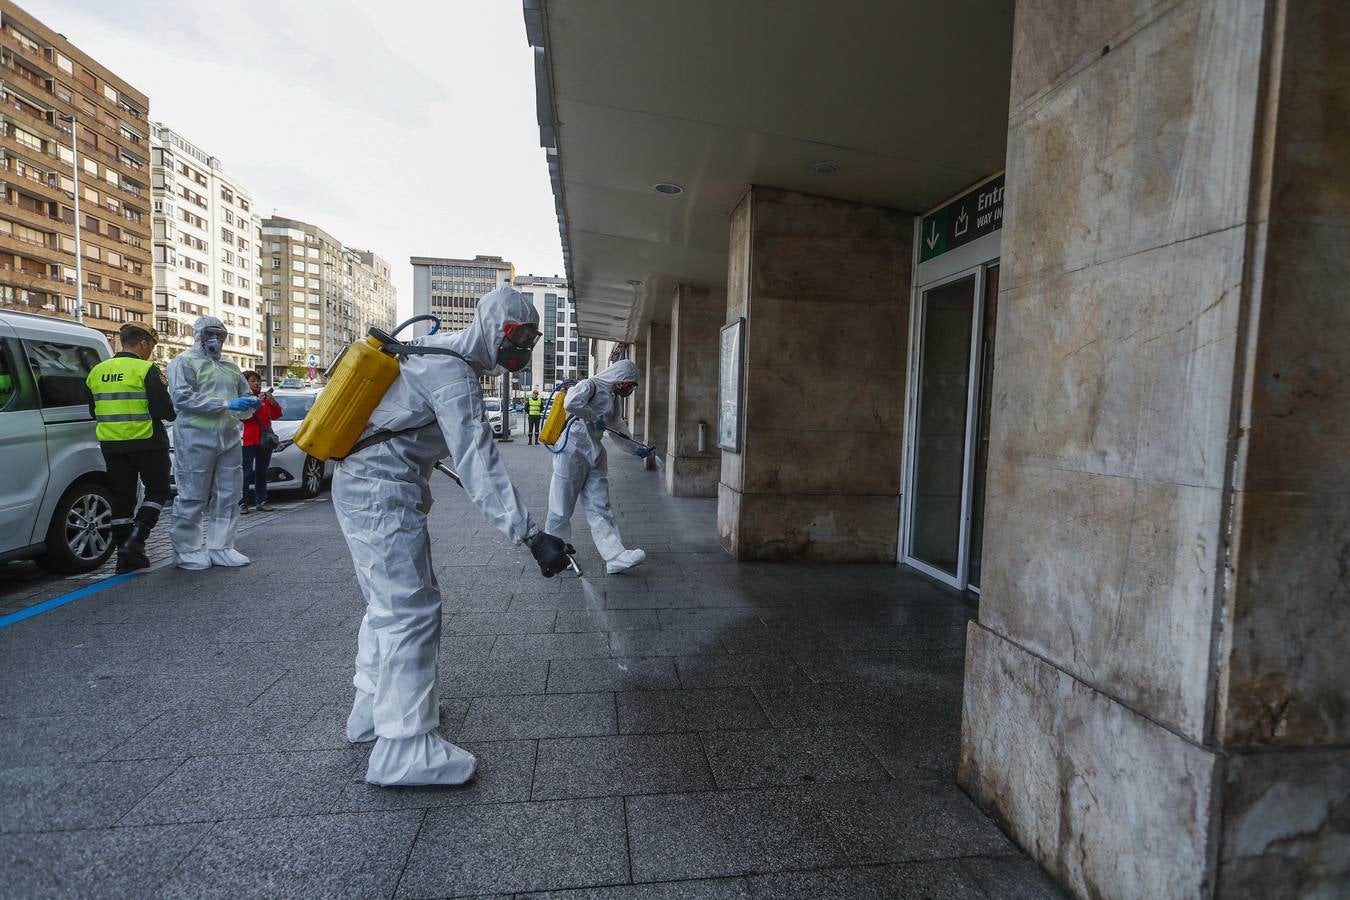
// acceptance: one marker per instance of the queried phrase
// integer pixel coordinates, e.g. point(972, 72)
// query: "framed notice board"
point(730, 397)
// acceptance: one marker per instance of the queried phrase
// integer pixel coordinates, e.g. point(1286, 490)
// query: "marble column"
point(823, 285)
point(1157, 697)
point(696, 320)
point(656, 390)
point(636, 410)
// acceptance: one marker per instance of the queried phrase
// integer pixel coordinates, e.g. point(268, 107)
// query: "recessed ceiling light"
point(824, 168)
point(666, 187)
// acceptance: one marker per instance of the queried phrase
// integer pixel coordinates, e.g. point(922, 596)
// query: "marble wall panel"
point(1299, 430)
point(637, 407)
point(1287, 675)
point(1111, 579)
point(1124, 368)
point(824, 463)
point(656, 386)
point(822, 527)
point(826, 288)
point(696, 321)
point(1112, 804)
point(1313, 138)
point(728, 515)
point(1149, 145)
point(780, 399)
point(1053, 38)
point(1286, 825)
point(692, 476)
point(823, 337)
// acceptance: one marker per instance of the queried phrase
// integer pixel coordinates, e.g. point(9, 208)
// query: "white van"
point(54, 502)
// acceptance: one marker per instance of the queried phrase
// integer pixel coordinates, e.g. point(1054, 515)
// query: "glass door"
point(948, 427)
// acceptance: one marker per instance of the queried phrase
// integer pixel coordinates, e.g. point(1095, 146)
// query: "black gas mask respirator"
point(517, 345)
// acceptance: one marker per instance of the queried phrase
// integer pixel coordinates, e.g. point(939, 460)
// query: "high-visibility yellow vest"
point(121, 408)
point(536, 405)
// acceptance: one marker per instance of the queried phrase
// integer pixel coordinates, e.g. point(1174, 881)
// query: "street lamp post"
point(267, 342)
point(75, 168)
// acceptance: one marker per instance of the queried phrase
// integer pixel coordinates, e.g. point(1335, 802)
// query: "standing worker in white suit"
point(382, 497)
point(581, 469)
point(212, 399)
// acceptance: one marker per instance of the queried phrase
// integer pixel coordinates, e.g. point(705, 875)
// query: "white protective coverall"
point(207, 460)
point(382, 496)
point(581, 469)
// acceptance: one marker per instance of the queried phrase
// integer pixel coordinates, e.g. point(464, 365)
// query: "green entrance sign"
point(974, 214)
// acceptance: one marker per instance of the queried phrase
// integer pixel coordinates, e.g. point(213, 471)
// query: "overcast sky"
point(401, 126)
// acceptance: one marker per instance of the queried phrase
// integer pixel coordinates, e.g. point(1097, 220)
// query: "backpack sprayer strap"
point(379, 437)
point(394, 347)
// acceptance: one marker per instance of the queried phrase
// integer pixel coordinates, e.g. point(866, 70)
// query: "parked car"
point(54, 500)
point(292, 468)
point(493, 405)
point(291, 383)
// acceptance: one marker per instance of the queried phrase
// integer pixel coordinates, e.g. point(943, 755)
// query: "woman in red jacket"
point(258, 452)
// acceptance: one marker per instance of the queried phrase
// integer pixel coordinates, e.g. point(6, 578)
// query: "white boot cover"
point(625, 561)
point(424, 759)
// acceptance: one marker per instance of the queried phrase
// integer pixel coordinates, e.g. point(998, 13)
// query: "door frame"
point(979, 270)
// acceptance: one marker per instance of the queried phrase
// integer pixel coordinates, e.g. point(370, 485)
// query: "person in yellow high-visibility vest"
point(129, 399)
point(534, 406)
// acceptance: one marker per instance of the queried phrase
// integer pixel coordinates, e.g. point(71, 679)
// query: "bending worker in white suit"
point(580, 468)
point(382, 496)
point(212, 399)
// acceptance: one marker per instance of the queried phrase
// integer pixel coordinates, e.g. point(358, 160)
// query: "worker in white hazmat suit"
point(580, 467)
point(382, 496)
point(212, 399)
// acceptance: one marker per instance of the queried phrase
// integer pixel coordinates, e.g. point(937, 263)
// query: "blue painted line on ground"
point(45, 605)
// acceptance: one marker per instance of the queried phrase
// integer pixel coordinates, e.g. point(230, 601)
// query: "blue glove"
point(642, 452)
point(240, 404)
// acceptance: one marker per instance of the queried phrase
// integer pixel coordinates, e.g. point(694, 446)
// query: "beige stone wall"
point(656, 389)
point(637, 405)
point(823, 286)
point(1168, 517)
point(695, 323)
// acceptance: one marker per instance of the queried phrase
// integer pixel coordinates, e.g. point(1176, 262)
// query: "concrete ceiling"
point(909, 98)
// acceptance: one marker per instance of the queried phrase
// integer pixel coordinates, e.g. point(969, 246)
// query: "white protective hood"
point(621, 371)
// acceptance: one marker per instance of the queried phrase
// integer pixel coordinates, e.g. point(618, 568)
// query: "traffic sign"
point(312, 373)
point(974, 214)
point(313, 361)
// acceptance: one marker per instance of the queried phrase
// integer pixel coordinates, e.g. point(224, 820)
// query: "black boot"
point(131, 555)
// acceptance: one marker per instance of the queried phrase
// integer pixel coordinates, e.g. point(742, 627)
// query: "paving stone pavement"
point(694, 728)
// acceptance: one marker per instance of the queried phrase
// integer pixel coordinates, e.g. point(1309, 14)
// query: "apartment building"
point(561, 355)
point(321, 294)
point(205, 250)
point(44, 82)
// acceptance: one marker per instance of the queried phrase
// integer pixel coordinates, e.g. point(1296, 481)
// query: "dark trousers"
point(257, 460)
point(534, 429)
point(125, 468)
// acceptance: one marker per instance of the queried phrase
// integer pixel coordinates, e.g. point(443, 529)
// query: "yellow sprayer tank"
point(555, 420)
point(343, 408)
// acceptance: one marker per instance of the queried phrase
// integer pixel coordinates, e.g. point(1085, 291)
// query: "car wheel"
point(79, 538)
point(311, 477)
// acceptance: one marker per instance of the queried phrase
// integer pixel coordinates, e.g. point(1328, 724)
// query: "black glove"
point(551, 553)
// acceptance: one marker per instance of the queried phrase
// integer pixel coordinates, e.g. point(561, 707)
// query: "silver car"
point(493, 407)
point(291, 468)
point(54, 501)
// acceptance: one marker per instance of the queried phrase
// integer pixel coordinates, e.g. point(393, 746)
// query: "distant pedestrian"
point(534, 405)
point(129, 399)
point(259, 442)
